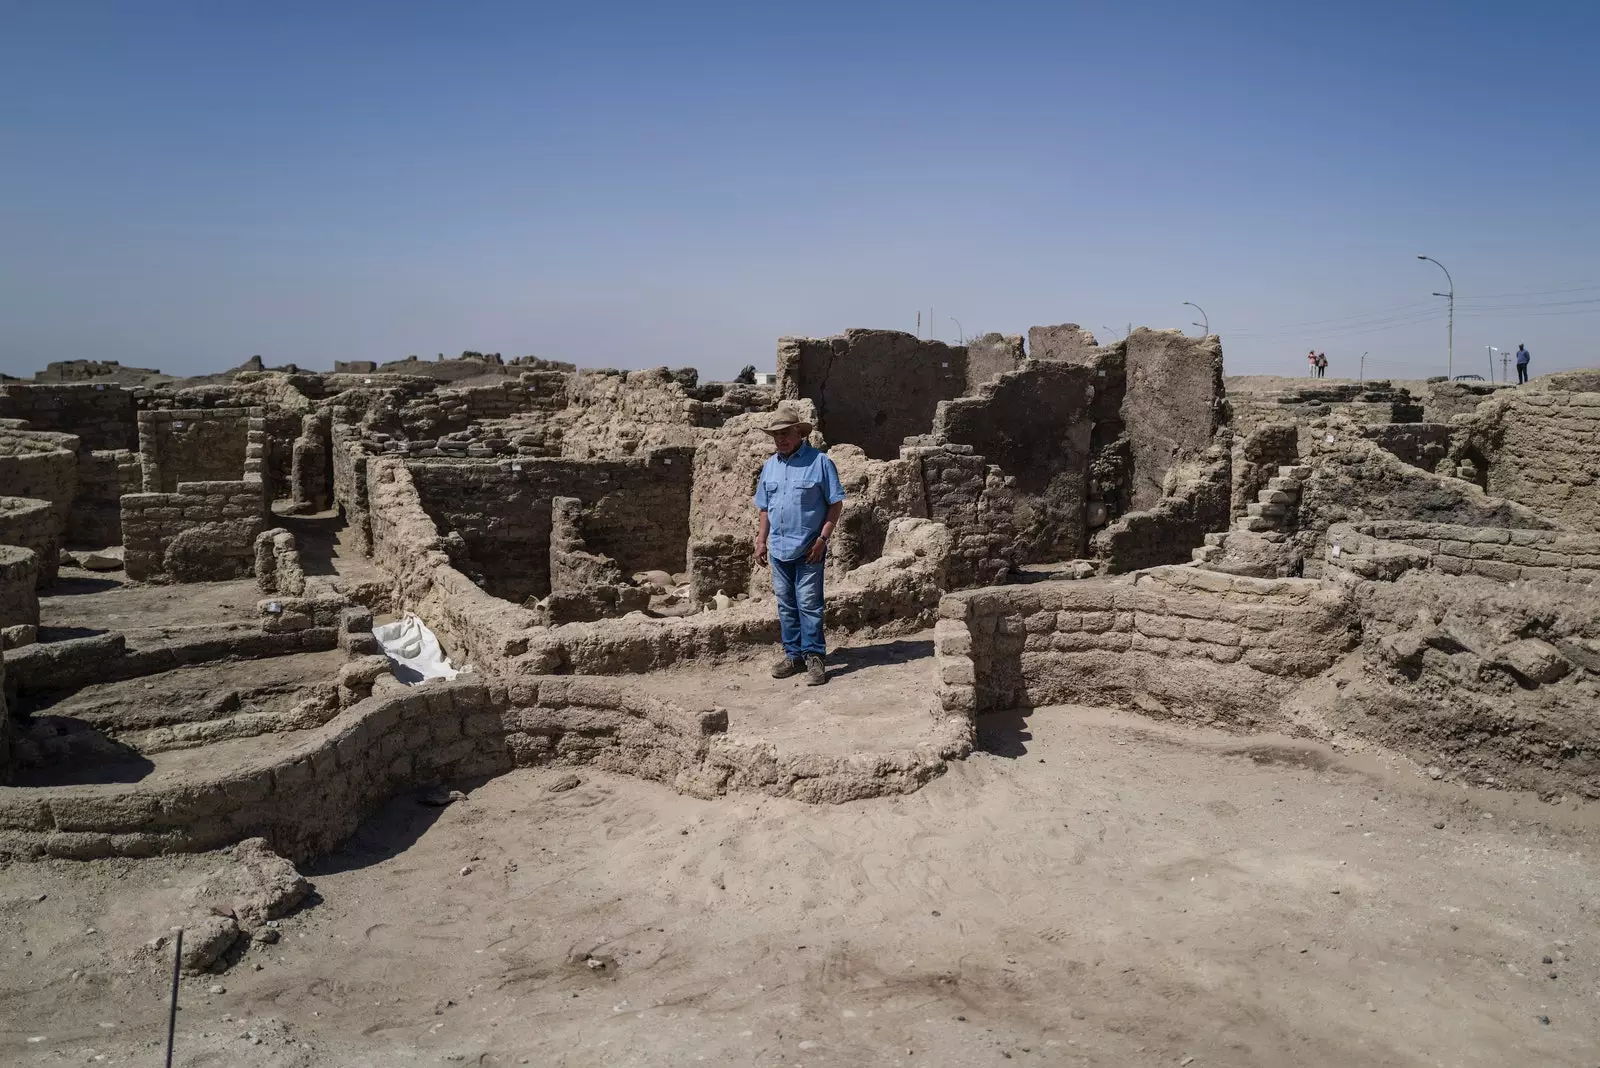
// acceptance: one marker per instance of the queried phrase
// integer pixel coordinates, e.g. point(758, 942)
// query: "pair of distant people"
point(1318, 363)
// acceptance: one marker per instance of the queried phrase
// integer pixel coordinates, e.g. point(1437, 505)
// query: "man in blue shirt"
point(800, 498)
point(1522, 364)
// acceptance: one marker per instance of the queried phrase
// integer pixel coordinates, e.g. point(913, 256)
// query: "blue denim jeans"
point(798, 586)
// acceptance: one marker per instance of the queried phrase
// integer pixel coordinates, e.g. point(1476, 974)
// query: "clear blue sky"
point(183, 185)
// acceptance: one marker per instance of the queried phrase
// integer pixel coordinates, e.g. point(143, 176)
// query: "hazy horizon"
point(186, 186)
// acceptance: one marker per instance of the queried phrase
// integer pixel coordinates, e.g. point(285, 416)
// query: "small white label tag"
point(1334, 551)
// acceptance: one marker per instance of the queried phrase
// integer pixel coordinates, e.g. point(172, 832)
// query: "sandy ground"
point(878, 698)
point(94, 602)
point(1096, 889)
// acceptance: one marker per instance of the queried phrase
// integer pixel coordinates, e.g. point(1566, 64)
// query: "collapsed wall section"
point(871, 388)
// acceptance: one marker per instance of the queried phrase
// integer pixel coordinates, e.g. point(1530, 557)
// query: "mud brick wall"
point(30, 523)
point(975, 500)
point(205, 531)
point(1418, 444)
point(1256, 459)
point(1178, 523)
point(42, 466)
point(350, 483)
point(1373, 403)
point(104, 475)
point(101, 415)
point(1067, 342)
point(611, 414)
point(307, 799)
point(1174, 403)
point(1173, 641)
point(1543, 450)
point(308, 475)
point(19, 585)
point(719, 564)
point(872, 388)
point(991, 355)
point(1492, 552)
point(1110, 453)
point(1354, 480)
point(195, 445)
point(638, 512)
point(1034, 425)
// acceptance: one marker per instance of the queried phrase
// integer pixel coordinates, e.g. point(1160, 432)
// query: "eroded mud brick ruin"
point(190, 574)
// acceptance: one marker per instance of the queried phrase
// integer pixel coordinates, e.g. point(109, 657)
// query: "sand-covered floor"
point(1108, 891)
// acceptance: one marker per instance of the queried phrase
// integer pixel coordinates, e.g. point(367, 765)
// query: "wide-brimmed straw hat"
point(783, 418)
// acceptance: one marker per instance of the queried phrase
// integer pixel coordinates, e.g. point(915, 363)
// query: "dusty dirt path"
point(1110, 892)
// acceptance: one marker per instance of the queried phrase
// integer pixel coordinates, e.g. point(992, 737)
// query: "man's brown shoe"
point(787, 668)
point(816, 674)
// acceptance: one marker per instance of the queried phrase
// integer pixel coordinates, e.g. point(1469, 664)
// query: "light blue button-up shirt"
point(796, 492)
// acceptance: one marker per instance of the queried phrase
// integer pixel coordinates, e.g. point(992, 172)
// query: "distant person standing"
point(1322, 365)
point(1522, 364)
point(1311, 363)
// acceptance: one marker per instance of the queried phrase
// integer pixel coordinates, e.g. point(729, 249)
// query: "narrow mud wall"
point(872, 388)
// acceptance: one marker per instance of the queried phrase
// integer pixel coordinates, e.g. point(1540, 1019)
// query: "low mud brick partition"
point(1172, 641)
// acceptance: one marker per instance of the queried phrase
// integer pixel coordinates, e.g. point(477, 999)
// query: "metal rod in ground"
point(172, 1009)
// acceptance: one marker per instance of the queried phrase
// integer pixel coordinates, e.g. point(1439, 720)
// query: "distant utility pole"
point(919, 324)
point(1450, 323)
point(1505, 367)
point(1363, 371)
point(1206, 326)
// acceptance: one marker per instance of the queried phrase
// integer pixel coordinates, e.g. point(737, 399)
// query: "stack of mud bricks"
point(102, 416)
point(952, 650)
point(972, 498)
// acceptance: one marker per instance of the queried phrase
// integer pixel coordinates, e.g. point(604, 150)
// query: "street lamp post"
point(960, 333)
point(1450, 323)
point(1206, 326)
point(1492, 351)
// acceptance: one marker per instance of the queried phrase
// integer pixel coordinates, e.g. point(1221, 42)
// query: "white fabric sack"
point(411, 645)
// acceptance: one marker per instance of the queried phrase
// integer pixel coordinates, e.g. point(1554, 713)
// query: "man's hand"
point(819, 549)
point(761, 552)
